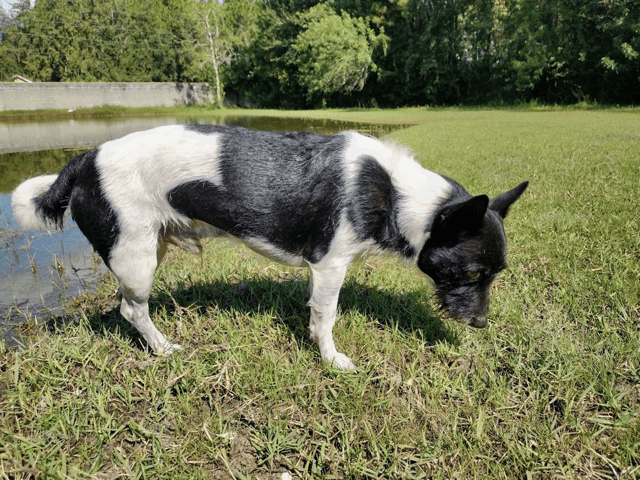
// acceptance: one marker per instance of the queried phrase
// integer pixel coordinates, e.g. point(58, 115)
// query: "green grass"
point(551, 389)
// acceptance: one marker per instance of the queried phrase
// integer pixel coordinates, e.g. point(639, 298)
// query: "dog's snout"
point(478, 322)
point(471, 321)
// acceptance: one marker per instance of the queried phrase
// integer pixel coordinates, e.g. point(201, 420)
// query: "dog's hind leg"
point(134, 264)
point(160, 253)
point(325, 284)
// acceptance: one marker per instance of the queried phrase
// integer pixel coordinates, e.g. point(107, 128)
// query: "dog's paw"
point(342, 362)
point(167, 348)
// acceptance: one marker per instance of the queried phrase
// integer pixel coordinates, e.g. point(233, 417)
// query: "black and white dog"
point(299, 198)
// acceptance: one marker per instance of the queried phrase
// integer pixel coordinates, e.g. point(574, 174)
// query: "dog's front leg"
point(324, 289)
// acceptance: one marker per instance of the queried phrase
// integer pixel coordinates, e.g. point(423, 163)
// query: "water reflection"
point(31, 137)
point(41, 271)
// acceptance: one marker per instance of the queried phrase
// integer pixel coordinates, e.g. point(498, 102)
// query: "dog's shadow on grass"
point(286, 302)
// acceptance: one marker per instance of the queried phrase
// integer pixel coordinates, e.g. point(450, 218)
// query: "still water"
point(40, 271)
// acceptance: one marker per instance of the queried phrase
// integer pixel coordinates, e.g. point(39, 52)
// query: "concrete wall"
point(36, 96)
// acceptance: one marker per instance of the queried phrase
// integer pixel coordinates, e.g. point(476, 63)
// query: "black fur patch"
point(464, 265)
point(373, 211)
point(457, 194)
point(92, 213)
point(283, 187)
point(465, 252)
point(55, 201)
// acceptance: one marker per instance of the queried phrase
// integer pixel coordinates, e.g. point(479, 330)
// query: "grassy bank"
point(551, 389)
point(393, 116)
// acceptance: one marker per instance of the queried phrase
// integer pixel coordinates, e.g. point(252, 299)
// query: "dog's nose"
point(478, 322)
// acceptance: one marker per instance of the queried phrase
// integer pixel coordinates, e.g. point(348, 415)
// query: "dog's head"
point(466, 249)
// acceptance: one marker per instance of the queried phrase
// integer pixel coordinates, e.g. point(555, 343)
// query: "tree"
point(333, 53)
point(600, 43)
point(214, 45)
point(430, 60)
point(219, 50)
point(262, 74)
point(562, 51)
point(111, 40)
point(302, 53)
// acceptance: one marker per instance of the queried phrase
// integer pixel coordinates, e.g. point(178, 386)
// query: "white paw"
point(167, 348)
point(341, 362)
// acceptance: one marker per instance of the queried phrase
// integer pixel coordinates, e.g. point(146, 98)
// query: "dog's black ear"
point(501, 203)
point(462, 217)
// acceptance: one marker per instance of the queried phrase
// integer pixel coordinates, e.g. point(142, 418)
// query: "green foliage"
point(333, 52)
point(293, 54)
point(100, 41)
point(431, 56)
point(263, 73)
point(559, 51)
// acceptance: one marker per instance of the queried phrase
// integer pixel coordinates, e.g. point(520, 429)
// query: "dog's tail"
point(40, 202)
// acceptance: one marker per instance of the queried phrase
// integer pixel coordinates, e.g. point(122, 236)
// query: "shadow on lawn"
point(285, 301)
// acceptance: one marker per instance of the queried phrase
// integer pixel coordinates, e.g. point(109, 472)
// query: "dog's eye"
point(474, 276)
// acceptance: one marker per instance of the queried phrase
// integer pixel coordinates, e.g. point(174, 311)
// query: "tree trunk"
point(214, 60)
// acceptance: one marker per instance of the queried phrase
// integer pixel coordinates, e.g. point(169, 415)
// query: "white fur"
point(263, 247)
point(134, 264)
point(327, 277)
point(139, 169)
point(421, 190)
point(23, 206)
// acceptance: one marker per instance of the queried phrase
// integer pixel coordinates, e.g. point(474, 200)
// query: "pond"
point(40, 271)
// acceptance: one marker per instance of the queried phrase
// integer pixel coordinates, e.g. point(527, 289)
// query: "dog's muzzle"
point(476, 322)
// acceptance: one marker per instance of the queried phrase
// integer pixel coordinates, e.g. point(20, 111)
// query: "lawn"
point(550, 389)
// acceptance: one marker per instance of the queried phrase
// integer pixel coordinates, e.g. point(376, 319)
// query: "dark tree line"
point(301, 54)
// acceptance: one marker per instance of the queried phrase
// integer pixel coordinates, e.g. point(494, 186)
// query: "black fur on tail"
point(53, 204)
